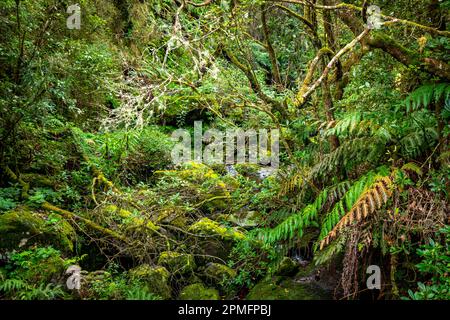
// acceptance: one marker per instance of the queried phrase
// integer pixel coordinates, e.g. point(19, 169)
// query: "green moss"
point(209, 227)
point(22, 227)
point(128, 219)
point(39, 265)
point(51, 268)
point(174, 216)
point(155, 278)
point(65, 233)
point(287, 267)
point(177, 262)
point(280, 288)
point(111, 209)
point(306, 271)
point(38, 180)
point(245, 219)
point(198, 291)
point(219, 273)
point(210, 185)
point(247, 169)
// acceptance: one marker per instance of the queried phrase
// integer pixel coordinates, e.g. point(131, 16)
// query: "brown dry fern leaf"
point(371, 200)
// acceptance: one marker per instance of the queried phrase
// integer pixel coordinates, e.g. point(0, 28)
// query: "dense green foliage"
point(87, 178)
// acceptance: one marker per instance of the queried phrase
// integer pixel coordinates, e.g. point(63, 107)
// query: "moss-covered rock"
point(287, 267)
point(282, 288)
point(39, 180)
point(49, 269)
point(177, 262)
point(129, 220)
point(245, 219)
point(198, 291)
point(156, 279)
point(218, 273)
point(173, 215)
point(213, 190)
point(22, 227)
point(38, 265)
point(209, 227)
point(247, 169)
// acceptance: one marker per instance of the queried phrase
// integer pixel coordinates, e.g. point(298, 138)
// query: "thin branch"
point(392, 20)
point(207, 2)
point(327, 69)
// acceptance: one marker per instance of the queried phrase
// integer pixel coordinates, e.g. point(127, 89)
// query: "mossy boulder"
point(38, 265)
point(287, 267)
point(245, 219)
point(206, 226)
point(213, 190)
point(129, 220)
point(156, 279)
point(22, 227)
point(39, 180)
point(49, 269)
point(198, 291)
point(221, 238)
point(247, 169)
point(218, 273)
point(174, 216)
point(284, 288)
point(177, 262)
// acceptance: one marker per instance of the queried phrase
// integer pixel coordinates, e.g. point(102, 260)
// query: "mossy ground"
point(285, 288)
point(198, 291)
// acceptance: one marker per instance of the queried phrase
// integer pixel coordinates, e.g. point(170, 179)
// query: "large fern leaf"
point(373, 198)
point(427, 94)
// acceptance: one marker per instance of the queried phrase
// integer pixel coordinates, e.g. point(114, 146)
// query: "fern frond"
point(370, 200)
point(353, 124)
point(426, 94)
point(411, 166)
point(293, 181)
point(349, 199)
point(350, 153)
point(323, 256)
point(416, 142)
point(296, 223)
point(12, 285)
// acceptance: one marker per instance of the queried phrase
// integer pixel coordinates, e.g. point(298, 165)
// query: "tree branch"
point(270, 50)
point(348, 47)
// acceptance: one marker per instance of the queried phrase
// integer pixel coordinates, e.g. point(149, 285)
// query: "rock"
point(245, 220)
point(198, 291)
point(48, 270)
point(173, 216)
point(156, 279)
point(287, 267)
point(247, 170)
point(221, 238)
point(176, 262)
point(281, 288)
point(218, 273)
point(266, 172)
point(128, 220)
point(209, 227)
point(40, 265)
point(22, 227)
point(231, 170)
point(213, 189)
